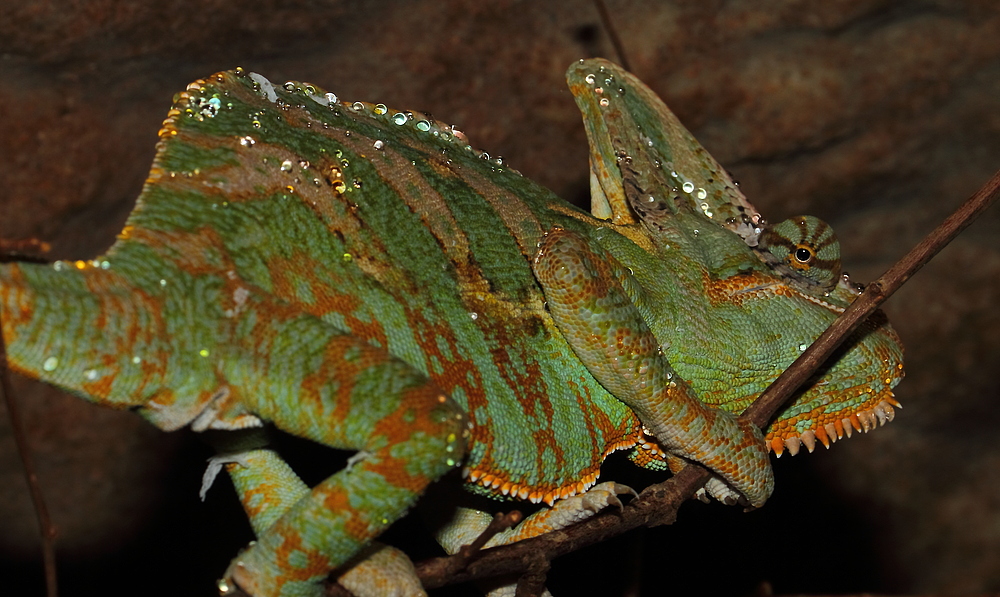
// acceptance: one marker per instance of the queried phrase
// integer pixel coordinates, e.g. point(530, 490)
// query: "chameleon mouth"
point(828, 433)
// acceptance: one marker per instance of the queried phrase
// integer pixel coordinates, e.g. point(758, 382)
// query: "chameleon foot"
point(382, 571)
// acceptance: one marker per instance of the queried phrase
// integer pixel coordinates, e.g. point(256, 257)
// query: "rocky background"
point(879, 116)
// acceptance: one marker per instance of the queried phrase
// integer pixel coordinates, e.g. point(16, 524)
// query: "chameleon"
point(362, 277)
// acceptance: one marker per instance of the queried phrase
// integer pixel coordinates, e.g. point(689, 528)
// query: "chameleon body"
point(361, 277)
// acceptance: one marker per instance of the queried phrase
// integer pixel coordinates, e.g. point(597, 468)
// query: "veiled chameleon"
point(361, 277)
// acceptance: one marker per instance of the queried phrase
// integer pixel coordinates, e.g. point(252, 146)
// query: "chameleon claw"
point(225, 587)
point(215, 465)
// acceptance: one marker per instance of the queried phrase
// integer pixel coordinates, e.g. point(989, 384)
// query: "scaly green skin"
point(361, 277)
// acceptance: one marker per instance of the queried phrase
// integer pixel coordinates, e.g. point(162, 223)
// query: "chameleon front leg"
point(333, 388)
point(585, 294)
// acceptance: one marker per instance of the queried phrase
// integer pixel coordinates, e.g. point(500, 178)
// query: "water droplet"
point(702, 194)
point(346, 257)
point(289, 86)
point(331, 97)
point(105, 264)
point(339, 186)
point(474, 315)
point(688, 186)
point(136, 360)
point(163, 282)
point(286, 166)
point(380, 109)
point(203, 352)
point(247, 141)
point(604, 102)
point(399, 118)
point(90, 374)
point(213, 106)
point(802, 347)
point(589, 79)
point(357, 106)
point(50, 364)
point(423, 125)
point(379, 144)
point(357, 183)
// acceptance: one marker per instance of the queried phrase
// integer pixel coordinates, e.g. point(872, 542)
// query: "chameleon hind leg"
point(315, 382)
point(585, 292)
point(268, 487)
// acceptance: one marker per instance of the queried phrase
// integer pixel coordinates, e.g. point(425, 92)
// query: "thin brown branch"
point(532, 582)
point(658, 504)
point(602, 11)
point(438, 570)
point(45, 526)
point(23, 249)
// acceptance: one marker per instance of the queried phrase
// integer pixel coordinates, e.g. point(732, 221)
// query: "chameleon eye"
point(803, 255)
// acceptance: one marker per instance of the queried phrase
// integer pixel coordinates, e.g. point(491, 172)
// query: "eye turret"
point(803, 249)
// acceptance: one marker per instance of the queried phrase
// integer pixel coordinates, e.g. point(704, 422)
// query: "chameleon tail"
point(73, 325)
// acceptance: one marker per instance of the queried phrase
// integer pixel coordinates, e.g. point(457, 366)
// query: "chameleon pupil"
point(803, 255)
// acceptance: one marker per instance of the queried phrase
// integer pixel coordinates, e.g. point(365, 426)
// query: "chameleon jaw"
point(829, 433)
point(525, 492)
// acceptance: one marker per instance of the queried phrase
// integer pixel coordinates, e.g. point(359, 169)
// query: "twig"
point(443, 568)
point(616, 41)
point(23, 249)
point(47, 530)
point(532, 582)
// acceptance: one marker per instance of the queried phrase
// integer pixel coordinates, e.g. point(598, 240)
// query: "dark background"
point(879, 116)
